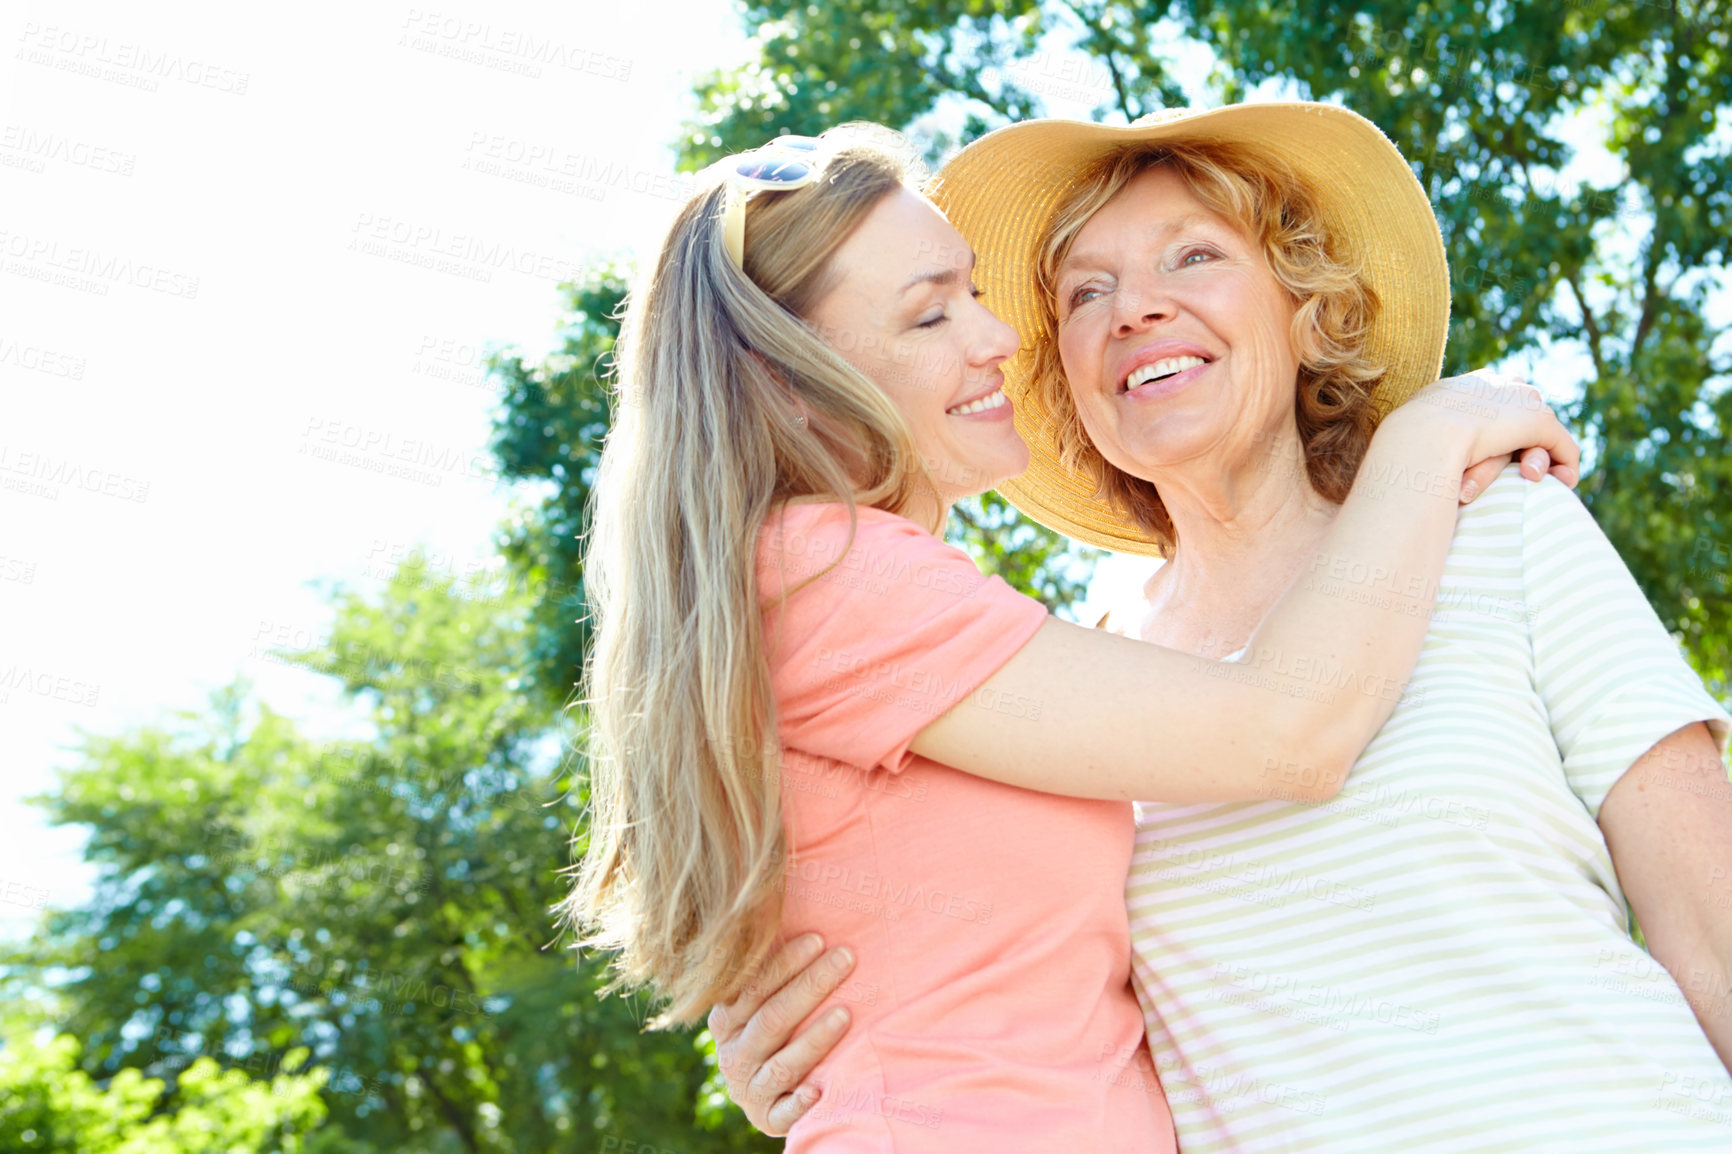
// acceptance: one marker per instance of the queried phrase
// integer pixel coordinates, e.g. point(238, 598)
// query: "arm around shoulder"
point(1124, 720)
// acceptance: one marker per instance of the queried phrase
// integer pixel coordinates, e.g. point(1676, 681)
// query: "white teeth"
point(991, 401)
point(1162, 368)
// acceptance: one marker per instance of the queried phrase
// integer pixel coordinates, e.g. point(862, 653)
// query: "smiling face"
point(904, 311)
point(1174, 334)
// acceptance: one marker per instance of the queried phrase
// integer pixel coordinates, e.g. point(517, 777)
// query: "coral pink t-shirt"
point(991, 1000)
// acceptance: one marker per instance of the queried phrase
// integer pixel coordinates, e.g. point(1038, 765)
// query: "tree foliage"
point(381, 902)
point(50, 1106)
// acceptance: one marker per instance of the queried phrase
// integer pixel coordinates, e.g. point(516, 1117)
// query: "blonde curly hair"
point(1331, 325)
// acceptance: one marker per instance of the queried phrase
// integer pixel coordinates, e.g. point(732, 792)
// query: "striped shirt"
point(1438, 959)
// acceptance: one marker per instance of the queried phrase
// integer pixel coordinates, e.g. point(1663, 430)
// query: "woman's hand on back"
point(764, 1070)
point(1496, 411)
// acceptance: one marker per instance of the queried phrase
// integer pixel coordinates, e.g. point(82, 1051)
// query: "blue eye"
point(1083, 296)
point(1202, 252)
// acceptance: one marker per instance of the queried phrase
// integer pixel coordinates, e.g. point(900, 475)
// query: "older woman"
point(1439, 958)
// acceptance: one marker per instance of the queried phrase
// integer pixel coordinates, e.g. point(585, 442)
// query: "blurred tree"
point(383, 902)
point(547, 435)
point(1490, 102)
point(50, 1106)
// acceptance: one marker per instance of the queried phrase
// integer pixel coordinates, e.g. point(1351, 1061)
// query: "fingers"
point(1515, 409)
point(788, 1110)
point(756, 1058)
point(787, 1068)
point(1559, 446)
point(728, 1019)
point(765, 1039)
point(1476, 479)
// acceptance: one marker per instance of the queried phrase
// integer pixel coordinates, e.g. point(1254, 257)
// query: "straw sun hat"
point(1000, 191)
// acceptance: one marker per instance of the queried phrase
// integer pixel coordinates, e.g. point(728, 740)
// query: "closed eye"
point(934, 321)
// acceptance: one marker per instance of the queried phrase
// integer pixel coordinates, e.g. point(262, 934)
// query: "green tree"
point(50, 1106)
point(383, 902)
point(1487, 101)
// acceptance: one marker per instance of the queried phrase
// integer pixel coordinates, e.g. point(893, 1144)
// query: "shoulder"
point(1552, 506)
point(1502, 505)
point(1512, 507)
point(823, 531)
point(804, 539)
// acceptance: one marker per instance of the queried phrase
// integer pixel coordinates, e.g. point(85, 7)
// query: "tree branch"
point(453, 1114)
point(1675, 100)
point(1119, 88)
point(1590, 326)
point(1124, 97)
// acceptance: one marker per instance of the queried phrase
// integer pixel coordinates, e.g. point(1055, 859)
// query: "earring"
point(800, 419)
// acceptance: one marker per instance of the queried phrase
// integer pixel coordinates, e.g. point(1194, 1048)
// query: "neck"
point(930, 511)
point(1244, 532)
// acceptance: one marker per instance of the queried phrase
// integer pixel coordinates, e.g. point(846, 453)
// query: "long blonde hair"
point(714, 368)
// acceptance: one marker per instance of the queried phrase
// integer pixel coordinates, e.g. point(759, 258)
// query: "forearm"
point(1116, 718)
point(1119, 718)
point(1668, 825)
point(1343, 639)
point(1704, 974)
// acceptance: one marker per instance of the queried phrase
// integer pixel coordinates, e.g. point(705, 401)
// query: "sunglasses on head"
point(784, 164)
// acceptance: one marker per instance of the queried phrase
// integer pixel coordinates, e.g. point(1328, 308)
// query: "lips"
point(1159, 361)
point(984, 401)
point(1165, 367)
point(993, 400)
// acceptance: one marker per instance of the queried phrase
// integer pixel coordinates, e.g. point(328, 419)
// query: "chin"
point(1169, 442)
point(1015, 466)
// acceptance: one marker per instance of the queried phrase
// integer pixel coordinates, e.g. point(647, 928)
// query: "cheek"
point(1073, 350)
point(1094, 414)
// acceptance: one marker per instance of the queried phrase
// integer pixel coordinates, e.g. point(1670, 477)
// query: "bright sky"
point(247, 273)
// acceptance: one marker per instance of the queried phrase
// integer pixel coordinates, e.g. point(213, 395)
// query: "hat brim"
point(1000, 193)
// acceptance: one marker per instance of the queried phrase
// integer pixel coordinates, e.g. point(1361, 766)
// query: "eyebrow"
point(937, 276)
point(1074, 258)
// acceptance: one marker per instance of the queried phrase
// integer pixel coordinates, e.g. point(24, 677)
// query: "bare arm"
point(1668, 823)
point(1121, 719)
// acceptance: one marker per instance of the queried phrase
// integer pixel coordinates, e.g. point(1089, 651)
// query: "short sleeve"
point(1612, 679)
point(866, 653)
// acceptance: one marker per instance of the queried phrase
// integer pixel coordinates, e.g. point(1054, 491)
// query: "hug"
point(1330, 840)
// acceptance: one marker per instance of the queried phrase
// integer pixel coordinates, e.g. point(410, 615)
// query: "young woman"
point(811, 714)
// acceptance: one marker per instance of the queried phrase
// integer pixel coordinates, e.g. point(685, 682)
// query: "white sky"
point(229, 244)
point(141, 152)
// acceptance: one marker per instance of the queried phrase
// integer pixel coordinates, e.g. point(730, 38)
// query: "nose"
point(996, 341)
point(1141, 305)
